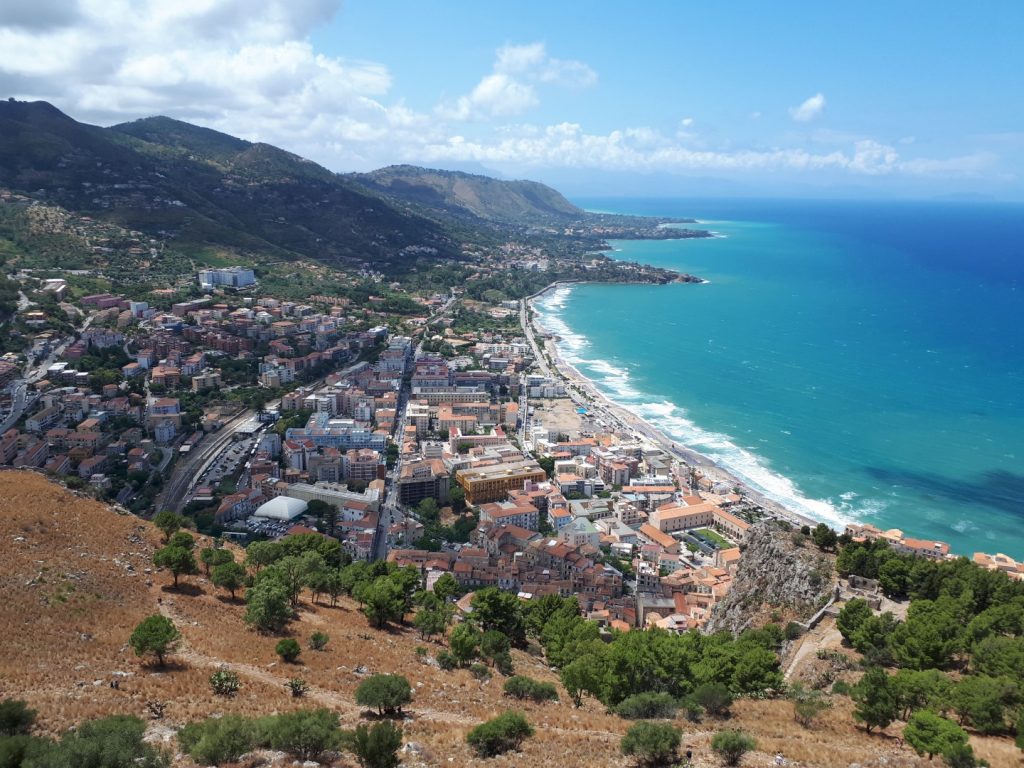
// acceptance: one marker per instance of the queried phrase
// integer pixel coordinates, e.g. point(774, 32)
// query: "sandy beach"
point(583, 391)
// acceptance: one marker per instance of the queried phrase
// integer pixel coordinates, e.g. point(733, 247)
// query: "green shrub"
point(807, 704)
point(731, 746)
point(523, 687)
point(298, 687)
point(652, 744)
point(15, 749)
point(479, 671)
point(305, 734)
point(288, 649)
point(714, 697)
point(841, 688)
point(224, 682)
point(446, 661)
point(647, 706)
point(15, 717)
point(375, 747)
point(503, 663)
point(385, 693)
point(112, 742)
point(318, 641)
point(218, 739)
point(498, 735)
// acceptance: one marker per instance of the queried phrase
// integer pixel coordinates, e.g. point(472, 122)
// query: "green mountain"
point(204, 188)
point(192, 189)
point(469, 195)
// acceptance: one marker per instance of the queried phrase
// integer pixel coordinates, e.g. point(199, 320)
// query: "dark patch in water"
point(997, 488)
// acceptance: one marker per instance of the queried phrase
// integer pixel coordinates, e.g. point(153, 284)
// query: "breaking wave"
point(615, 382)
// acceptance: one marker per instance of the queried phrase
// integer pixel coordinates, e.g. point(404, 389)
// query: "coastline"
point(587, 393)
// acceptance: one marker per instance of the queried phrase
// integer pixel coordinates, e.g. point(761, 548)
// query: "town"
point(423, 442)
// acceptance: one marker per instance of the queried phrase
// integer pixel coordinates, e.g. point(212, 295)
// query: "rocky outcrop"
point(778, 572)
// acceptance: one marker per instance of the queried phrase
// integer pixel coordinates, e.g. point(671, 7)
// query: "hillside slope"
point(165, 177)
point(75, 582)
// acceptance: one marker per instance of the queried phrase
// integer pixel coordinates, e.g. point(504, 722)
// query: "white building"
point(232, 277)
point(282, 508)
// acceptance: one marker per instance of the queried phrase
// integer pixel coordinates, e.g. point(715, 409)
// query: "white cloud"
point(497, 95)
point(511, 89)
point(533, 63)
point(809, 110)
point(251, 70)
point(516, 59)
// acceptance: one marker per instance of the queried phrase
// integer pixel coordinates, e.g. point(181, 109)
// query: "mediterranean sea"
point(854, 361)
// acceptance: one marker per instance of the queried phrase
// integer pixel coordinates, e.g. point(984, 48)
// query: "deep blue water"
point(853, 360)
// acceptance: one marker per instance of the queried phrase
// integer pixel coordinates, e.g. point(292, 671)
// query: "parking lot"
point(228, 462)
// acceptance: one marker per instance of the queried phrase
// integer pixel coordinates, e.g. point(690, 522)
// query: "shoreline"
point(630, 421)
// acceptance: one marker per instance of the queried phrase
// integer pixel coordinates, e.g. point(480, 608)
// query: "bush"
point(375, 747)
point(501, 734)
point(652, 744)
point(731, 746)
point(503, 663)
point(647, 706)
point(841, 688)
point(318, 641)
point(714, 697)
point(15, 717)
point(219, 739)
point(807, 704)
point(479, 671)
point(14, 749)
point(112, 742)
point(793, 631)
point(224, 682)
point(446, 661)
point(385, 693)
point(305, 734)
point(288, 649)
point(298, 687)
point(522, 687)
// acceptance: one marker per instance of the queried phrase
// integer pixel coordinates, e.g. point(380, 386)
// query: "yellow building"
point(483, 485)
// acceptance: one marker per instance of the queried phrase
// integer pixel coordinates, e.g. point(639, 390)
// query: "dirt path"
point(810, 644)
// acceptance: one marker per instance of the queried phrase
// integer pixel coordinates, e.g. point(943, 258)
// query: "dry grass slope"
point(75, 581)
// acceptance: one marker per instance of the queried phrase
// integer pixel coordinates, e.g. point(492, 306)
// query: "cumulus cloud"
point(809, 110)
point(511, 88)
point(251, 70)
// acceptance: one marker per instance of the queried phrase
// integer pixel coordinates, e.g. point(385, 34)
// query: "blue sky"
point(909, 99)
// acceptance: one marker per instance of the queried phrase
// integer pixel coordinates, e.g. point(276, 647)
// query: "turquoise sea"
point(853, 360)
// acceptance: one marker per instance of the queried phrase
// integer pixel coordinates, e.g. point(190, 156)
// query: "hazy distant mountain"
point(470, 195)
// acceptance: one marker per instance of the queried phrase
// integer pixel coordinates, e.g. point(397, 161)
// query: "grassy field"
point(715, 537)
point(77, 579)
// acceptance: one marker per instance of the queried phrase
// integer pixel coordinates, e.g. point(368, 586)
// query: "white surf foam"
point(614, 380)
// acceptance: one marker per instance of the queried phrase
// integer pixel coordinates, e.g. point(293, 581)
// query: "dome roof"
point(282, 508)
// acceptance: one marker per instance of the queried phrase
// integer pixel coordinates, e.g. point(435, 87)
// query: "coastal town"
point(475, 453)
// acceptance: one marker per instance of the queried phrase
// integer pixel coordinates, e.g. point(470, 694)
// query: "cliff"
point(775, 575)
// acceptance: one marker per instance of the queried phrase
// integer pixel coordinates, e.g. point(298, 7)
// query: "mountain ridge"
point(473, 195)
point(198, 187)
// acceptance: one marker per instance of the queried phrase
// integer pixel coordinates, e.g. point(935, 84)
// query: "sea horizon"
point(873, 376)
